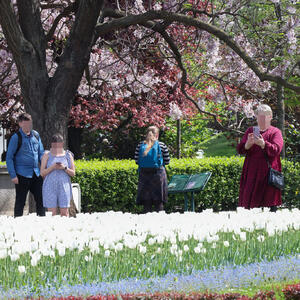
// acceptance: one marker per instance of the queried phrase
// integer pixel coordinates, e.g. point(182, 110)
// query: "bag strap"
point(267, 159)
point(35, 134)
point(160, 154)
point(19, 142)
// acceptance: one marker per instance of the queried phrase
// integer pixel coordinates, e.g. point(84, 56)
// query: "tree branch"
point(11, 29)
point(184, 82)
point(76, 53)
point(189, 21)
point(66, 12)
point(31, 25)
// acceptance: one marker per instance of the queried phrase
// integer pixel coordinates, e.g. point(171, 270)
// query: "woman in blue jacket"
point(152, 155)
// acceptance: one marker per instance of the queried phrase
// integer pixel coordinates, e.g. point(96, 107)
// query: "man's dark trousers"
point(34, 185)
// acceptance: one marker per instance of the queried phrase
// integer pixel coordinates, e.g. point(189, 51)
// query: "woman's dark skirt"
point(152, 186)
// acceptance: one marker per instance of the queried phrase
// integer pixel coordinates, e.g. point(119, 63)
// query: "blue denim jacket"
point(26, 161)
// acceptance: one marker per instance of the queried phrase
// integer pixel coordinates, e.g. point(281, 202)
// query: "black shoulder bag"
point(275, 178)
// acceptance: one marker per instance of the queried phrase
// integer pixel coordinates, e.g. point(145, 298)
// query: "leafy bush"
point(292, 292)
point(193, 132)
point(112, 184)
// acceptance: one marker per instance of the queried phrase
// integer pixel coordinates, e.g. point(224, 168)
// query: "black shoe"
point(273, 208)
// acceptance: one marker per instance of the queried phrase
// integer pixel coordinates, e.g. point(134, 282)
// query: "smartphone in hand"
point(58, 163)
point(256, 131)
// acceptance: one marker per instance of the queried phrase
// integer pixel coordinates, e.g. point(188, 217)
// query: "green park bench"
point(184, 184)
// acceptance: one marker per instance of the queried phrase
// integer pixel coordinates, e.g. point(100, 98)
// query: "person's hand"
point(15, 180)
point(259, 141)
point(58, 166)
point(250, 141)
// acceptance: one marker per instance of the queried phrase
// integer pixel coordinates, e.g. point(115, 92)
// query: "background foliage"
point(112, 184)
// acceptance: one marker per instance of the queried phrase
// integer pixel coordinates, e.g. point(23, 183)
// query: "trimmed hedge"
point(112, 184)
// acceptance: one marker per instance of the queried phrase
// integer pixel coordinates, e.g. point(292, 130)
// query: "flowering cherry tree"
point(111, 63)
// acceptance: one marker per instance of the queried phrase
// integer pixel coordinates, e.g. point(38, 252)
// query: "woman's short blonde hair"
point(264, 109)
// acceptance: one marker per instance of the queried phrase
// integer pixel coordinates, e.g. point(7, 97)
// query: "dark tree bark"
point(48, 100)
point(75, 139)
point(178, 123)
point(281, 113)
point(279, 87)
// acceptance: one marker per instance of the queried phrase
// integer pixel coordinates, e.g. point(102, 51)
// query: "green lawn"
point(218, 145)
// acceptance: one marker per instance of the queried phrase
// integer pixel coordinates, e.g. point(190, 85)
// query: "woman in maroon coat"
point(256, 142)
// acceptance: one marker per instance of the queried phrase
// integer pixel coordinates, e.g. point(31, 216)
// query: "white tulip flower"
point(260, 238)
point(186, 248)
point(14, 257)
point(197, 250)
point(3, 253)
point(173, 239)
point(142, 249)
point(243, 236)
point(151, 241)
point(61, 251)
point(33, 262)
point(160, 239)
point(52, 254)
point(226, 243)
point(21, 269)
point(34, 245)
point(210, 239)
point(88, 258)
point(106, 253)
point(2, 245)
point(271, 231)
point(119, 247)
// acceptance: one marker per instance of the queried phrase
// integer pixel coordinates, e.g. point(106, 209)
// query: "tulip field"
point(115, 253)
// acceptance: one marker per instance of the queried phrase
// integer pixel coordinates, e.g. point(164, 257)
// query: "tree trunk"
point(281, 114)
point(74, 141)
point(178, 122)
point(47, 99)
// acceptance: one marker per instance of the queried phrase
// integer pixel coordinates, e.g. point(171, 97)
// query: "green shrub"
point(112, 184)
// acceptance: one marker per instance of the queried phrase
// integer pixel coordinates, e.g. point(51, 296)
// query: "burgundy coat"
point(254, 189)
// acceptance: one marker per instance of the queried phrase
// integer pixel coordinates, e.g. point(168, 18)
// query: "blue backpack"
point(153, 159)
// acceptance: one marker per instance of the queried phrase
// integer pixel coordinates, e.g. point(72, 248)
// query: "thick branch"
point(184, 83)
point(11, 29)
point(31, 25)
point(76, 54)
point(189, 21)
point(66, 12)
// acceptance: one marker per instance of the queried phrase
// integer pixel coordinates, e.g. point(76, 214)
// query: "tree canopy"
point(111, 63)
